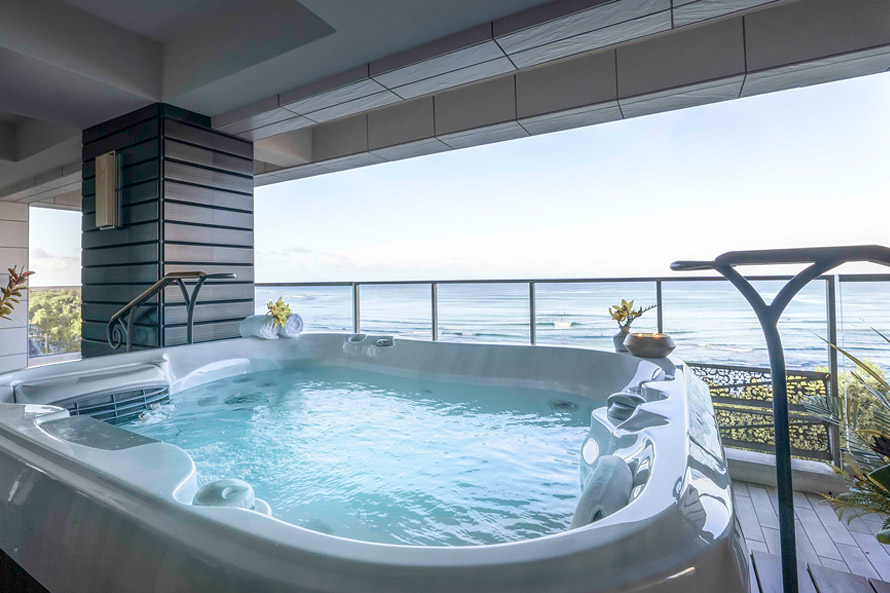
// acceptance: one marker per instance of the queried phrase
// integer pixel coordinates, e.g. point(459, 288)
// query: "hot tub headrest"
point(607, 490)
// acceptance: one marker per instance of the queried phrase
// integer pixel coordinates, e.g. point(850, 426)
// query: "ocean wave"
point(559, 324)
point(743, 350)
point(726, 347)
point(469, 334)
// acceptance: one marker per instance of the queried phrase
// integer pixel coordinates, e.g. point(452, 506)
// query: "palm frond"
point(825, 407)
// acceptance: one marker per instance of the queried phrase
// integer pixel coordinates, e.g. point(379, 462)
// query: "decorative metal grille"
point(742, 399)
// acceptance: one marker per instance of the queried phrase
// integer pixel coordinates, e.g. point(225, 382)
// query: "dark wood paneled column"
point(187, 204)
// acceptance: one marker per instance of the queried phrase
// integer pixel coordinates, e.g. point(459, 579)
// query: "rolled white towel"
point(293, 327)
point(259, 326)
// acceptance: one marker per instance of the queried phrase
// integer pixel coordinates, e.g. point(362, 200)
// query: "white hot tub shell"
point(87, 507)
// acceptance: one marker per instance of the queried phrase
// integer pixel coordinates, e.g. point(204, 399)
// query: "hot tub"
point(634, 495)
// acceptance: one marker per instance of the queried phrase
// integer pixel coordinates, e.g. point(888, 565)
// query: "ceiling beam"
point(57, 33)
point(7, 141)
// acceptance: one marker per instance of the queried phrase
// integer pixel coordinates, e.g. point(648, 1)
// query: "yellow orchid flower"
point(624, 313)
point(280, 311)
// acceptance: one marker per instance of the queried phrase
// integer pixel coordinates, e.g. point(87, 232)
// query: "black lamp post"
point(820, 260)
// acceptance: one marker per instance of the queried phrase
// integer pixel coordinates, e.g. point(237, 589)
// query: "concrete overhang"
point(712, 51)
point(320, 86)
point(76, 63)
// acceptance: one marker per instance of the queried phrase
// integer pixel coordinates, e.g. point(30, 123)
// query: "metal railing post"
point(434, 304)
point(356, 309)
point(834, 437)
point(532, 325)
point(659, 301)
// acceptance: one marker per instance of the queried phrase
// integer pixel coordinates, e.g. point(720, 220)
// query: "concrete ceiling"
point(159, 20)
point(365, 31)
point(285, 73)
point(10, 118)
point(70, 64)
point(80, 62)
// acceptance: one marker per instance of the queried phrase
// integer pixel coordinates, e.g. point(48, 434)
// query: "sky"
point(804, 167)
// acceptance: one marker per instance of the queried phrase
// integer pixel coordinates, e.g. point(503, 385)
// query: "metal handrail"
point(115, 330)
point(599, 280)
point(819, 261)
point(841, 278)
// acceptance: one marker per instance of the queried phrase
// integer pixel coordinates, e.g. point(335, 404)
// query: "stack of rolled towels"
point(263, 326)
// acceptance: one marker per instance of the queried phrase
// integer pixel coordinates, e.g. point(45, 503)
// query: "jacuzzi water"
point(380, 458)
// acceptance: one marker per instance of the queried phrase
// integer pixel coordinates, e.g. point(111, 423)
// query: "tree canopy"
point(55, 313)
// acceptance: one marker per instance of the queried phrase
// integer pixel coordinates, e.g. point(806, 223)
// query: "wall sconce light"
point(108, 203)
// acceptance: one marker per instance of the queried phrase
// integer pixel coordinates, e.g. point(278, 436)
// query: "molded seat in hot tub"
point(111, 394)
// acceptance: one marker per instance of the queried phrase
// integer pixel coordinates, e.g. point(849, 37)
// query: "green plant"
point(855, 387)
point(625, 314)
point(55, 315)
point(864, 419)
point(12, 293)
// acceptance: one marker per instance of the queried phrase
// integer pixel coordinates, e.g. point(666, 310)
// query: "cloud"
point(44, 260)
point(40, 253)
point(283, 254)
point(54, 269)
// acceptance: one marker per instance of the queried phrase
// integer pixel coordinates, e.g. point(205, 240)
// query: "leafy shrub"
point(55, 317)
point(863, 417)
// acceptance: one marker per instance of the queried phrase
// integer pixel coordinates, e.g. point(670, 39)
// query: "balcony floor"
point(835, 555)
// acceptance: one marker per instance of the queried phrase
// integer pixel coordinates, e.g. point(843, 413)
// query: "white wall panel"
point(476, 105)
point(14, 252)
point(340, 138)
point(402, 123)
point(687, 57)
point(812, 29)
point(567, 84)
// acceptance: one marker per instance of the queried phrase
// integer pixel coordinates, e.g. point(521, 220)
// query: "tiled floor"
point(822, 540)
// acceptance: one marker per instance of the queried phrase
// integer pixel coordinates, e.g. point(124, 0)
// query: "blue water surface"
point(384, 459)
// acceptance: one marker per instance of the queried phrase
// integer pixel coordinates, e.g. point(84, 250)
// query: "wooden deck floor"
point(827, 548)
point(766, 577)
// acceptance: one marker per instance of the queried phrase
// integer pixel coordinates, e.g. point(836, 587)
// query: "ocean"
point(709, 320)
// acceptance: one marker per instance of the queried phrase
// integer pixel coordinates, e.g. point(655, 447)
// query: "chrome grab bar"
point(116, 329)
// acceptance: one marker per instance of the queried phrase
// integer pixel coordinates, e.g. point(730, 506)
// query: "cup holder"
point(231, 493)
point(226, 493)
point(622, 405)
point(357, 338)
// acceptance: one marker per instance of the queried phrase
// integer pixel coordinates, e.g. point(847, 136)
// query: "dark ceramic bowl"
point(649, 345)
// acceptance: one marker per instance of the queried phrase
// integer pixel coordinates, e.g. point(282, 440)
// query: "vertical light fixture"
point(108, 206)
